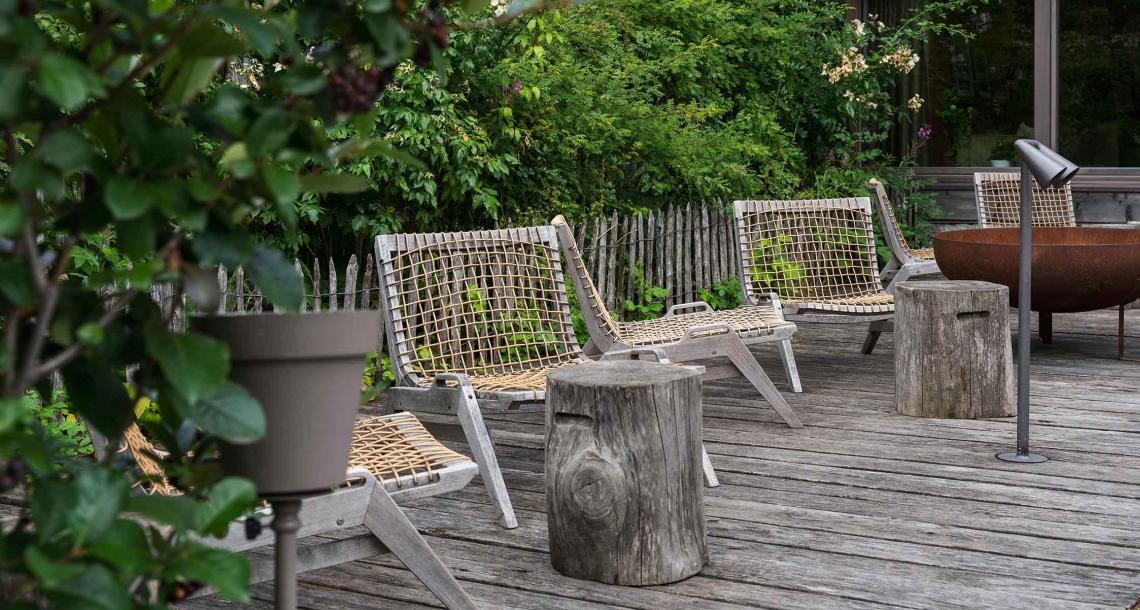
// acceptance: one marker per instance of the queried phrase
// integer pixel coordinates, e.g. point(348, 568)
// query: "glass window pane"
point(979, 92)
point(1099, 117)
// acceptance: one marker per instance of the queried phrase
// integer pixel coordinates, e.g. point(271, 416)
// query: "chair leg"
point(484, 453)
point(388, 523)
point(903, 274)
point(738, 353)
point(873, 332)
point(706, 465)
point(790, 368)
point(888, 272)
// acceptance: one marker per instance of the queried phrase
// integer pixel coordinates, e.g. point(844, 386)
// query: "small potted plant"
point(1001, 154)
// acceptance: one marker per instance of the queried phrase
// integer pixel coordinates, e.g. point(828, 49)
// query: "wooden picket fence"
point(682, 250)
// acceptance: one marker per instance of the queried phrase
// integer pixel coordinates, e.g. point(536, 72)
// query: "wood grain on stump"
point(953, 354)
point(624, 493)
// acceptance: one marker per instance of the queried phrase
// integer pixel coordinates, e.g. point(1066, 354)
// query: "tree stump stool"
point(624, 493)
point(953, 354)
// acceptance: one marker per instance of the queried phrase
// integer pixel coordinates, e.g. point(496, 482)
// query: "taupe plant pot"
point(305, 370)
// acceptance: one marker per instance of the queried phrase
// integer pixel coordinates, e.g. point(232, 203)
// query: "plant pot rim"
point(293, 336)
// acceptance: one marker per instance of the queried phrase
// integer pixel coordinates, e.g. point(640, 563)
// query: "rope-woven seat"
point(748, 322)
point(999, 202)
point(397, 449)
point(817, 257)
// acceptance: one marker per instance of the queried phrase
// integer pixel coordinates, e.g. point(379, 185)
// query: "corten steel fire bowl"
point(1074, 268)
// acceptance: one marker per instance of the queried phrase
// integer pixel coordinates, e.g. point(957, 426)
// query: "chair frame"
point(698, 343)
point(905, 262)
point(363, 500)
point(880, 317)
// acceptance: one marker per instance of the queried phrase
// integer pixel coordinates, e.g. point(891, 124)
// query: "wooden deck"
point(861, 509)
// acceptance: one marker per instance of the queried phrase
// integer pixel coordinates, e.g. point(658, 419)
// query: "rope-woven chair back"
point(808, 250)
point(480, 303)
point(999, 202)
point(892, 230)
point(581, 276)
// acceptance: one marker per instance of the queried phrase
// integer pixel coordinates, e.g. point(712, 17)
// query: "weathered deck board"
point(863, 508)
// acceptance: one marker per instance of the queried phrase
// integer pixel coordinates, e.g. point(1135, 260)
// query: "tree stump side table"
point(624, 494)
point(953, 353)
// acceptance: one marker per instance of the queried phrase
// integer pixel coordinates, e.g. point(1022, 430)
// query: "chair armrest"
point(701, 305)
point(637, 353)
point(707, 329)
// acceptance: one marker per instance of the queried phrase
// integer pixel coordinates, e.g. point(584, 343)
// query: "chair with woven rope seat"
point(690, 332)
point(999, 202)
point(393, 458)
point(475, 321)
point(815, 259)
point(906, 262)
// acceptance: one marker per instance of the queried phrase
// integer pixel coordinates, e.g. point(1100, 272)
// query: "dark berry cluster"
point(353, 90)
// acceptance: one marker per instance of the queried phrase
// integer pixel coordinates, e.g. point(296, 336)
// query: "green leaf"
point(12, 412)
point(95, 588)
point(67, 82)
point(12, 216)
point(136, 238)
point(475, 6)
point(50, 573)
point(16, 282)
point(207, 39)
point(66, 149)
point(179, 512)
point(227, 572)
point(12, 79)
point(127, 199)
point(283, 183)
point(90, 333)
point(269, 132)
point(228, 412)
point(334, 183)
point(99, 496)
point(194, 364)
point(124, 544)
point(277, 278)
point(260, 35)
point(29, 175)
point(229, 249)
point(193, 75)
point(227, 500)
point(96, 392)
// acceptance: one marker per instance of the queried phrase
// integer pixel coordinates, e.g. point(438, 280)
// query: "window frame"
point(1046, 106)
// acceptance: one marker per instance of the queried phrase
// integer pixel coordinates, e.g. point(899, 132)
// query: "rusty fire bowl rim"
point(1074, 268)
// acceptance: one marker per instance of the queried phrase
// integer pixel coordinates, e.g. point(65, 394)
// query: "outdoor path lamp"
point(1051, 171)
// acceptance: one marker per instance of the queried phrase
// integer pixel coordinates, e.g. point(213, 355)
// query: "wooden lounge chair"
point(474, 321)
point(816, 260)
point(691, 332)
point(999, 202)
point(393, 458)
point(906, 262)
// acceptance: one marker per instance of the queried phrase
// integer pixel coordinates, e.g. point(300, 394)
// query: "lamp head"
point(1049, 168)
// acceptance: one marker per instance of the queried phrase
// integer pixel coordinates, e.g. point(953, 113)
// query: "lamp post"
point(1051, 171)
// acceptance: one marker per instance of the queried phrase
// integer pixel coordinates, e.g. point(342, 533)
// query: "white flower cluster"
point(861, 99)
point(915, 103)
point(851, 62)
point(902, 59)
point(874, 19)
point(500, 6)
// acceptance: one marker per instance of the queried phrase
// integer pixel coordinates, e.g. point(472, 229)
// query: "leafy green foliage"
point(648, 301)
point(725, 294)
point(141, 144)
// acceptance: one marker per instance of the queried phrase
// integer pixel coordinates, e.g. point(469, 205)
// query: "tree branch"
point(509, 16)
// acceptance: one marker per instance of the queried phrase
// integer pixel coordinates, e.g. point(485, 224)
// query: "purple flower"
point(925, 132)
point(517, 86)
point(506, 89)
